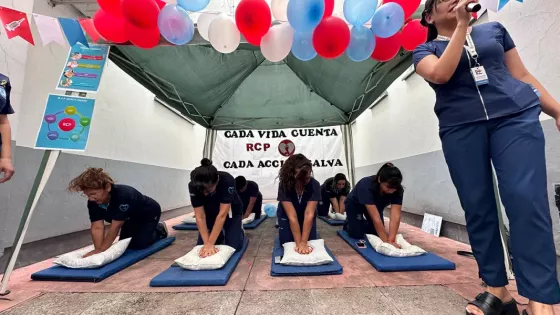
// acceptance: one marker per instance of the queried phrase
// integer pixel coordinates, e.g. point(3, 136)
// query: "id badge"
point(479, 75)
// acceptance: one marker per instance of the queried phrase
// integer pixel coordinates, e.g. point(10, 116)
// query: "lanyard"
point(470, 47)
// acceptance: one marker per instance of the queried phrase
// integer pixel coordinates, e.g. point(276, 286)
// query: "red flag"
point(16, 24)
point(87, 25)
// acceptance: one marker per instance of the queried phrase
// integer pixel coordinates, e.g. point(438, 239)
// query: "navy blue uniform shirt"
point(458, 101)
point(364, 194)
point(126, 203)
point(252, 190)
point(311, 192)
point(328, 189)
point(225, 193)
point(5, 104)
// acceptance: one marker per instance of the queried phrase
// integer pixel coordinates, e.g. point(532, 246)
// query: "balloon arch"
point(311, 29)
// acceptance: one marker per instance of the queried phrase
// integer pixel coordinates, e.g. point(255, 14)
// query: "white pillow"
point(340, 217)
point(318, 256)
point(250, 219)
point(189, 220)
point(192, 260)
point(387, 249)
point(75, 259)
point(332, 215)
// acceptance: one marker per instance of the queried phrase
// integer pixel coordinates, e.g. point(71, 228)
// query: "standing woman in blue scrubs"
point(298, 196)
point(488, 106)
point(217, 207)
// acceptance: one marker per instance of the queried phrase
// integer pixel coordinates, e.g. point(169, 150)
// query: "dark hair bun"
point(206, 162)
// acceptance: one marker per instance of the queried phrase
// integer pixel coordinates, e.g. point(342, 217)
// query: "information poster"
point(83, 69)
point(66, 123)
point(432, 224)
point(258, 154)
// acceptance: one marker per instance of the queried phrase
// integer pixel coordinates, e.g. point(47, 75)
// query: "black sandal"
point(491, 305)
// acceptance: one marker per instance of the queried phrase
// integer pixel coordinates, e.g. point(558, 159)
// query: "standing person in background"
point(488, 106)
point(333, 192)
point(6, 165)
point(250, 196)
point(298, 195)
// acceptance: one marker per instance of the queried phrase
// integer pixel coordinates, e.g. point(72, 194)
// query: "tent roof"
point(243, 90)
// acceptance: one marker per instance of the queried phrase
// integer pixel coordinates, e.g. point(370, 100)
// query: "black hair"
point(240, 182)
point(205, 174)
point(287, 174)
point(391, 175)
point(339, 176)
point(432, 30)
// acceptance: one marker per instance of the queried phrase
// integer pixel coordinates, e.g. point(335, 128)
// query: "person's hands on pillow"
point(394, 244)
point(93, 252)
point(303, 248)
point(207, 251)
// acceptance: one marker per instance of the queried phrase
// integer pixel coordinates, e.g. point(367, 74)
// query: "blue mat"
point(428, 261)
point(192, 226)
point(278, 270)
point(129, 258)
point(332, 222)
point(176, 276)
point(253, 225)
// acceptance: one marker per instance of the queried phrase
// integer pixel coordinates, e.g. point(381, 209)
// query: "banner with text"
point(259, 154)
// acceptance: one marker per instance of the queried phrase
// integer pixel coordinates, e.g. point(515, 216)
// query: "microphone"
point(473, 7)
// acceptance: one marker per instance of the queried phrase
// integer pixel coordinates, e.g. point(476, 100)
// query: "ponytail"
point(204, 175)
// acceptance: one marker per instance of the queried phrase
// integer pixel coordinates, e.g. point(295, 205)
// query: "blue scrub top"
point(458, 101)
point(225, 193)
point(364, 194)
point(5, 104)
point(125, 203)
point(252, 190)
point(311, 192)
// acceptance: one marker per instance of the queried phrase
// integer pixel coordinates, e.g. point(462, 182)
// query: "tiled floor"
point(251, 289)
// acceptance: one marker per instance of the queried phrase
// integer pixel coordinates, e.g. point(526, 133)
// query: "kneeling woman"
point(369, 198)
point(131, 213)
point(217, 207)
point(298, 196)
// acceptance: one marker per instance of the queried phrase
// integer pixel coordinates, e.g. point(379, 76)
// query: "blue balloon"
point(387, 20)
point(357, 12)
point(175, 25)
point(270, 210)
point(305, 15)
point(302, 46)
point(362, 43)
point(193, 5)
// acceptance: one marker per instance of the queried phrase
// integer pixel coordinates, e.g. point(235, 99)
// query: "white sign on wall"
point(258, 154)
point(432, 224)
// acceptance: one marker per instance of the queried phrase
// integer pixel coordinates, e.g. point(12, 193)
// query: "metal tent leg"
point(45, 170)
point(349, 152)
point(209, 143)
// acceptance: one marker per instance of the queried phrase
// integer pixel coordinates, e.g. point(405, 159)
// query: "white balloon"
point(280, 10)
point(223, 34)
point(276, 44)
point(203, 24)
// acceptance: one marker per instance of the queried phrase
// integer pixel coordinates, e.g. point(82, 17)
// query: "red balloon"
point(141, 37)
point(141, 13)
point(161, 4)
point(386, 48)
point(409, 6)
point(255, 41)
point(413, 34)
point(113, 7)
point(253, 18)
point(109, 27)
point(331, 37)
point(329, 8)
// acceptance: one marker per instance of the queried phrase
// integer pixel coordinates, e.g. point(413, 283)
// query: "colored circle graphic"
point(67, 124)
point(52, 135)
point(70, 110)
point(286, 147)
point(84, 121)
point(50, 119)
point(75, 137)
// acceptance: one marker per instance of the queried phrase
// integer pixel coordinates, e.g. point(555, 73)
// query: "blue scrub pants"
point(284, 230)
point(516, 146)
point(356, 225)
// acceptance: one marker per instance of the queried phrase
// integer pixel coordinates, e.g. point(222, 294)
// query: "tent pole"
point(349, 152)
point(206, 144)
point(503, 238)
point(45, 170)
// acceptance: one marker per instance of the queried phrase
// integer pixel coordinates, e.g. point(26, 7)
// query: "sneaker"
point(162, 228)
